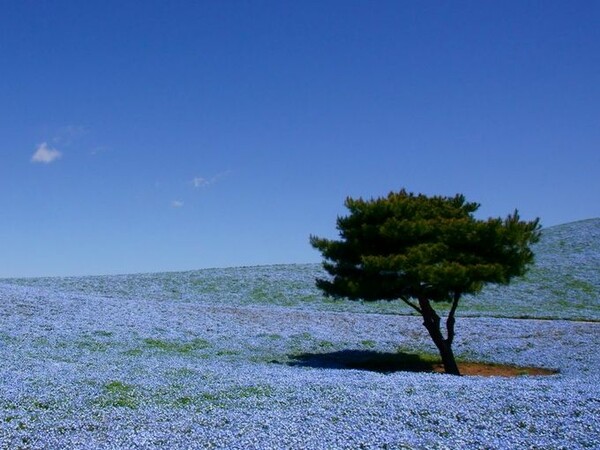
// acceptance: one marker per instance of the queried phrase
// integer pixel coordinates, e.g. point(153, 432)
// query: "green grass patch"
point(325, 345)
point(182, 372)
point(92, 345)
point(103, 333)
point(238, 393)
point(118, 394)
point(271, 336)
point(176, 346)
point(133, 352)
point(184, 401)
point(368, 343)
point(226, 352)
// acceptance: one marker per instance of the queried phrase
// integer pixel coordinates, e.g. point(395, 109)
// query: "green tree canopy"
point(422, 249)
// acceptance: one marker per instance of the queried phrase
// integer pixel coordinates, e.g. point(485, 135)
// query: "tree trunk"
point(431, 321)
point(448, 360)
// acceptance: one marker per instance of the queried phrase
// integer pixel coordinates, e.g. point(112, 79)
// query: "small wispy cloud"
point(98, 150)
point(45, 154)
point(176, 204)
point(68, 134)
point(199, 182)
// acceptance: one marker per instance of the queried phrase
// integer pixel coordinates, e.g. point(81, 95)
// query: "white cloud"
point(177, 204)
point(98, 150)
point(45, 154)
point(199, 182)
point(67, 134)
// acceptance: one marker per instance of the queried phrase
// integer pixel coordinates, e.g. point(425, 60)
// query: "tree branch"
point(412, 305)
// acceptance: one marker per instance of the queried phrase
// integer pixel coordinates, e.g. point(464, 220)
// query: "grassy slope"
point(564, 283)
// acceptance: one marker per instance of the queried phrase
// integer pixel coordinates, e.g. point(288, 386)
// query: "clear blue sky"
point(141, 136)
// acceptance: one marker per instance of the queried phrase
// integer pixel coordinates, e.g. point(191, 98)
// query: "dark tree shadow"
point(363, 360)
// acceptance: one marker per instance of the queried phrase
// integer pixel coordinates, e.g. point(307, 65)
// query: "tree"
point(423, 250)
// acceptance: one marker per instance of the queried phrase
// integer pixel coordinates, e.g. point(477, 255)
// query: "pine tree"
point(423, 250)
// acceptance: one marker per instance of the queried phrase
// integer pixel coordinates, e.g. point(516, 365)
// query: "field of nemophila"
point(256, 358)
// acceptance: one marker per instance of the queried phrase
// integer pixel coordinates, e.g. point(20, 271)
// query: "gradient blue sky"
point(141, 136)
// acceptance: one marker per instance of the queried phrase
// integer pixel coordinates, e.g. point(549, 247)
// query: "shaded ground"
point(405, 362)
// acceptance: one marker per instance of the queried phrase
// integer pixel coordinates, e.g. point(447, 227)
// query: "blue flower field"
point(256, 358)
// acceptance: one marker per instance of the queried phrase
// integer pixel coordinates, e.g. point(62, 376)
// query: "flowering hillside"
point(255, 358)
point(564, 283)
